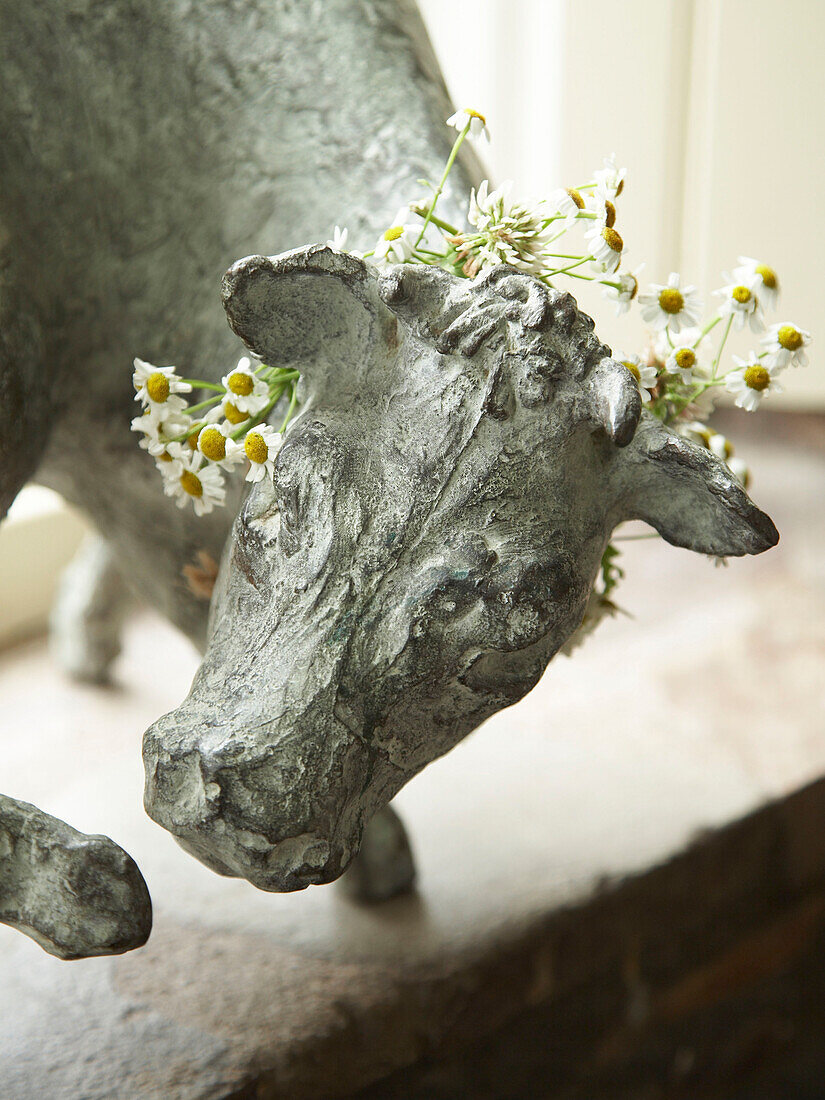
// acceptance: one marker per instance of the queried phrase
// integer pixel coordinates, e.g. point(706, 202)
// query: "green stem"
point(292, 403)
point(439, 222)
point(204, 404)
point(710, 325)
point(721, 348)
point(197, 384)
point(448, 167)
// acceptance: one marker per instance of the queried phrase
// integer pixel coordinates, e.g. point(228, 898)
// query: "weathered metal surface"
point(436, 522)
point(75, 895)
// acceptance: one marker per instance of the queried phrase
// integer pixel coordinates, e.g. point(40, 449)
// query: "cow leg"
point(384, 867)
point(75, 895)
point(87, 617)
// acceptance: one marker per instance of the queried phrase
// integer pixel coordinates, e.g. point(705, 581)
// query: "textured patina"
point(439, 511)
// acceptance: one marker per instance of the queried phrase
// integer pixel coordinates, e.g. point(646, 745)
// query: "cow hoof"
point(87, 617)
point(384, 867)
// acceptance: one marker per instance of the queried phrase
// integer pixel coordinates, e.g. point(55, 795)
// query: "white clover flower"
point(338, 240)
point(645, 375)
point(507, 231)
point(785, 344)
point(260, 447)
point(623, 294)
point(213, 440)
point(751, 382)
point(610, 179)
point(606, 246)
point(759, 277)
point(246, 392)
point(189, 480)
point(478, 123)
point(740, 301)
point(567, 201)
point(155, 385)
point(671, 306)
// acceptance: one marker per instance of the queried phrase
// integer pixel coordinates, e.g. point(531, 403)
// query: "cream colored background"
point(716, 107)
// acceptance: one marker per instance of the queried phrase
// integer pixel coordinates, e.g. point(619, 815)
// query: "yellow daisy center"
point(671, 300)
point(256, 448)
point(394, 232)
point(757, 378)
point(234, 414)
point(164, 456)
point(476, 114)
point(191, 484)
point(768, 275)
point(576, 197)
point(192, 440)
point(685, 358)
point(620, 188)
point(634, 370)
point(212, 443)
point(789, 338)
point(157, 386)
point(612, 239)
point(635, 289)
point(609, 214)
point(740, 294)
point(241, 383)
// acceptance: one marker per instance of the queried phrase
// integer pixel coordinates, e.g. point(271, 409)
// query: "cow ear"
point(690, 496)
point(314, 309)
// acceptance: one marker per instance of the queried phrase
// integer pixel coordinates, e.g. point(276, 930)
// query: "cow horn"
point(616, 403)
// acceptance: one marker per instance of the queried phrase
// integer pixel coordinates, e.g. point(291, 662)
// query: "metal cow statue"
point(437, 519)
point(440, 505)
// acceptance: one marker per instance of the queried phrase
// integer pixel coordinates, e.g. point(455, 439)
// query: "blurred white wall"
point(716, 107)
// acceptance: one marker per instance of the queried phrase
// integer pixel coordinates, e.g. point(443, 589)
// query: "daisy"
point(786, 344)
point(159, 427)
point(750, 272)
point(623, 293)
point(397, 244)
point(260, 447)
point(606, 246)
point(212, 444)
point(567, 201)
point(671, 306)
point(190, 480)
point(645, 375)
point(338, 240)
point(751, 382)
point(477, 122)
point(738, 467)
point(682, 358)
point(720, 445)
point(740, 302)
point(247, 393)
point(155, 385)
point(610, 179)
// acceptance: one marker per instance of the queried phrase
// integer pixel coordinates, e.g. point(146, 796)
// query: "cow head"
point(437, 518)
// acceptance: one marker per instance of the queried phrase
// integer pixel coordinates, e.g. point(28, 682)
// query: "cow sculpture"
point(441, 502)
point(436, 522)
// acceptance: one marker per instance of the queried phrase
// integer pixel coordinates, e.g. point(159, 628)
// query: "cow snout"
point(237, 819)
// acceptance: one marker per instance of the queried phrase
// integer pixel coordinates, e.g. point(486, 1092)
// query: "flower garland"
point(680, 374)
